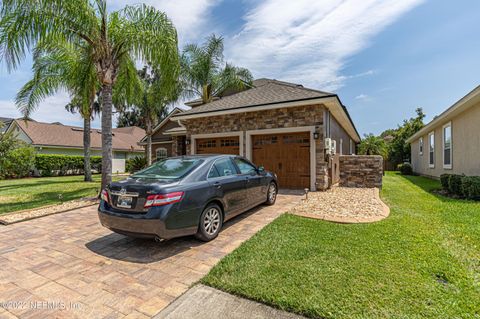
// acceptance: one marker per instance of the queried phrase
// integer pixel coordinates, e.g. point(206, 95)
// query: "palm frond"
point(24, 22)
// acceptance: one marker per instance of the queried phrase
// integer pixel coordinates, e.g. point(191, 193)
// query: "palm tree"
point(63, 66)
point(87, 112)
point(203, 75)
point(114, 39)
point(372, 145)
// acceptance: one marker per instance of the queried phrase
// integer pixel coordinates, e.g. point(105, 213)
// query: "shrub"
point(56, 164)
point(470, 187)
point(455, 184)
point(18, 162)
point(135, 164)
point(444, 178)
point(405, 169)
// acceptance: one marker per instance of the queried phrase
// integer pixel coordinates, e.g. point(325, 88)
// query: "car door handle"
point(217, 184)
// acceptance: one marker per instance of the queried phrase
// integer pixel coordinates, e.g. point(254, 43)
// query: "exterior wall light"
point(316, 135)
point(187, 141)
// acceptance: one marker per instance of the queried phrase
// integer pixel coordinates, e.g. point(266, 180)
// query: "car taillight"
point(104, 196)
point(163, 199)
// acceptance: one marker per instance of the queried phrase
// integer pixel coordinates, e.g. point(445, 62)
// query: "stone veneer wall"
point(311, 115)
point(361, 170)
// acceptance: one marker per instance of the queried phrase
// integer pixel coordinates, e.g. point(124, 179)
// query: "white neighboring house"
point(56, 138)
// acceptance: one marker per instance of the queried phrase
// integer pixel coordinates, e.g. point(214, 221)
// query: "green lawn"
point(36, 192)
point(423, 261)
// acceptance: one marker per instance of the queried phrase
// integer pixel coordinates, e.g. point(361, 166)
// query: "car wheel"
point(271, 194)
point(211, 222)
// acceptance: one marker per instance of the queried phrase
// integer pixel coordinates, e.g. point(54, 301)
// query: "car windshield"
point(170, 168)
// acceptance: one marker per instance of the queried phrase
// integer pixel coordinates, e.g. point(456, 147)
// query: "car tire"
point(271, 194)
point(211, 222)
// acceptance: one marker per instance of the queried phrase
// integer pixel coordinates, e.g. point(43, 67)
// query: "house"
point(56, 138)
point(162, 137)
point(450, 143)
point(279, 125)
point(6, 122)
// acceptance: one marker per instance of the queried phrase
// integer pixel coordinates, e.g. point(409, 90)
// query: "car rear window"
point(170, 168)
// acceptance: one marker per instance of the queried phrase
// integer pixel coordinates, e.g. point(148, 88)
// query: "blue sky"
point(383, 57)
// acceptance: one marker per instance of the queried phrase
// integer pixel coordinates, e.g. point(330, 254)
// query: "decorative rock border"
point(349, 219)
point(28, 214)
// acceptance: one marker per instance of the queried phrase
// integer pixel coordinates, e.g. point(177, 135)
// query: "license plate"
point(124, 201)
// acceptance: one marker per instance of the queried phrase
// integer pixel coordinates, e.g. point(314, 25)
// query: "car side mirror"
point(261, 169)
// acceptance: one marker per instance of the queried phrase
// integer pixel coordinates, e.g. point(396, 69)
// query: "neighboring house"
point(450, 143)
point(6, 122)
point(162, 140)
point(56, 138)
point(279, 125)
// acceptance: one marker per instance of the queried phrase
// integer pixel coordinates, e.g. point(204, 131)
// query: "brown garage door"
point(287, 155)
point(218, 145)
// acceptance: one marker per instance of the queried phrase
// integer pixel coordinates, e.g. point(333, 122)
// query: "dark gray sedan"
point(185, 195)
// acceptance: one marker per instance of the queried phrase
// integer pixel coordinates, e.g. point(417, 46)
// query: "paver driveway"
point(67, 265)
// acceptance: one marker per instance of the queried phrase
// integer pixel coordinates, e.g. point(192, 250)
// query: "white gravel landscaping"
point(344, 205)
point(15, 217)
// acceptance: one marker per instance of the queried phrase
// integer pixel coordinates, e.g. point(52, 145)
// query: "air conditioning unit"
point(330, 146)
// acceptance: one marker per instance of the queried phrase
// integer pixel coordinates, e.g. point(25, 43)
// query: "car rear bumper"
point(141, 227)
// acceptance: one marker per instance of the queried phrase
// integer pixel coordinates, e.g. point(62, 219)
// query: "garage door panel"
point(287, 155)
point(218, 145)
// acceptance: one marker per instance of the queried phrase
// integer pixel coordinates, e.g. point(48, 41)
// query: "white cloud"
point(190, 17)
point(362, 97)
point(309, 41)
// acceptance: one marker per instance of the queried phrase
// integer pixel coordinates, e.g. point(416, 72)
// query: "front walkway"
point(202, 302)
point(67, 265)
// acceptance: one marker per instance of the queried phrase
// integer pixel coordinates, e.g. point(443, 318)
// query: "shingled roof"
point(264, 92)
point(48, 134)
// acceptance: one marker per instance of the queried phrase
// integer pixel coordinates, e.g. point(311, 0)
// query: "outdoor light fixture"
point(316, 135)
point(187, 142)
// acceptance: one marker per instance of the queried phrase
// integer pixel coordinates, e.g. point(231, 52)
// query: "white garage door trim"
point(195, 137)
point(298, 129)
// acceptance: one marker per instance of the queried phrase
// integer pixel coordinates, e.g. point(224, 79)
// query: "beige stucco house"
point(56, 138)
point(450, 143)
point(282, 126)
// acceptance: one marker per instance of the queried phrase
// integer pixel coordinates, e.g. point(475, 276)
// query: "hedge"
point(405, 169)
point(471, 187)
point(54, 164)
point(461, 185)
point(455, 184)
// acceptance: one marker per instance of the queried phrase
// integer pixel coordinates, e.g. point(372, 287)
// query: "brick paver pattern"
point(69, 266)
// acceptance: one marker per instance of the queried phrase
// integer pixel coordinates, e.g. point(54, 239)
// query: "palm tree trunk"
point(106, 134)
point(149, 141)
point(86, 149)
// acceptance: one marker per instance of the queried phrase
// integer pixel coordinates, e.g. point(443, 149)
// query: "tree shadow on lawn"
point(430, 186)
point(144, 251)
point(45, 199)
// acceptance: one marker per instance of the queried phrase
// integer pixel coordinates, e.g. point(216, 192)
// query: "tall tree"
point(204, 74)
point(152, 101)
point(115, 38)
point(399, 149)
point(87, 112)
point(63, 65)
